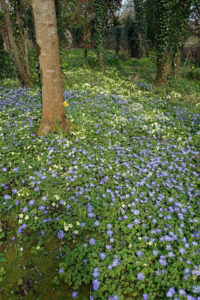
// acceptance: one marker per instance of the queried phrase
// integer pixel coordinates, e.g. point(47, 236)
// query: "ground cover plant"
point(109, 210)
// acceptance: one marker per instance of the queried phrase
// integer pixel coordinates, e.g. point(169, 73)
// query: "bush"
point(194, 74)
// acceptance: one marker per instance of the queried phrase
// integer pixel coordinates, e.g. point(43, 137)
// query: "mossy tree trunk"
point(176, 62)
point(99, 8)
point(163, 22)
point(163, 69)
point(85, 39)
point(181, 9)
point(53, 114)
point(23, 76)
point(140, 26)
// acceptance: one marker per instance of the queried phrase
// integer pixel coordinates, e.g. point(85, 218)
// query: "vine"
point(99, 9)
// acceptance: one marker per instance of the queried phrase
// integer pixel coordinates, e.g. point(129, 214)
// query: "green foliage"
point(194, 73)
point(163, 22)
point(127, 177)
point(99, 9)
point(150, 9)
point(140, 22)
point(7, 65)
point(130, 35)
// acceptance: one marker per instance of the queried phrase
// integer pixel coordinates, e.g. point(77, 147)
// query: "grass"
point(111, 210)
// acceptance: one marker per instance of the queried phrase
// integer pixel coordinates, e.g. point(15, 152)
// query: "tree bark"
point(5, 41)
point(85, 39)
point(20, 68)
point(163, 69)
point(100, 58)
point(176, 63)
point(53, 114)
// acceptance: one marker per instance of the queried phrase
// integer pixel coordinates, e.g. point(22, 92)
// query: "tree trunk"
point(23, 42)
point(5, 41)
point(141, 46)
point(53, 114)
point(100, 57)
point(21, 71)
point(85, 39)
point(26, 59)
point(163, 69)
point(176, 63)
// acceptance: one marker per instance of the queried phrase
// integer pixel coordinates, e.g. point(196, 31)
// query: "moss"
point(30, 275)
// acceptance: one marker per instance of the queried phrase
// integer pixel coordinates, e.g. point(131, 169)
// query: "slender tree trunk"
point(176, 63)
point(26, 58)
point(163, 69)
point(5, 41)
point(53, 114)
point(85, 39)
point(23, 42)
point(100, 56)
point(22, 73)
point(142, 51)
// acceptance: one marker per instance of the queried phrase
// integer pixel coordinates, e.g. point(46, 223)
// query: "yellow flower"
point(192, 67)
point(66, 228)
point(65, 103)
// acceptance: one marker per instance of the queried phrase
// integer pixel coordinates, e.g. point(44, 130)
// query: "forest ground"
point(111, 209)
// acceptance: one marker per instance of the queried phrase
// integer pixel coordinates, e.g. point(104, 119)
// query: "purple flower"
point(74, 294)
point(162, 262)
point(61, 234)
point(96, 273)
point(92, 241)
point(95, 283)
point(31, 202)
point(91, 215)
point(41, 207)
point(102, 255)
point(182, 292)
point(182, 250)
point(155, 252)
point(145, 296)
point(140, 276)
point(115, 262)
point(61, 270)
point(170, 293)
point(109, 232)
point(7, 197)
point(96, 223)
point(108, 247)
point(139, 253)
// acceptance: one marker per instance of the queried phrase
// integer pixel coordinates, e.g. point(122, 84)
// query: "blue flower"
point(170, 293)
point(7, 197)
point(74, 294)
point(145, 296)
point(96, 273)
point(139, 253)
point(102, 255)
point(95, 283)
point(61, 234)
point(140, 276)
point(61, 270)
point(92, 241)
